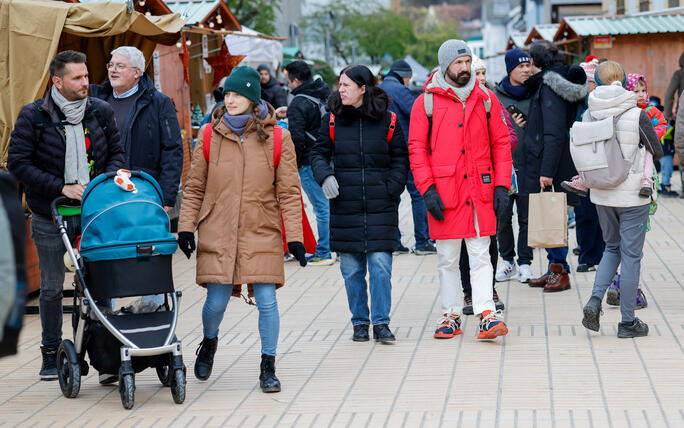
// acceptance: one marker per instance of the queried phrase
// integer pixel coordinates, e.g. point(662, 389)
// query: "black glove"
point(433, 203)
point(186, 243)
point(501, 200)
point(297, 250)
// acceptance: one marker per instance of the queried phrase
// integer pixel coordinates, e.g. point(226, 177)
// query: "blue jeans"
point(353, 267)
point(321, 207)
point(558, 255)
point(51, 251)
point(666, 167)
point(269, 319)
point(420, 221)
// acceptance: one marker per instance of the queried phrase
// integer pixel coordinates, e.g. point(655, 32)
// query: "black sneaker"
point(401, 250)
point(361, 333)
point(576, 251)
point(48, 371)
point(467, 304)
point(382, 334)
point(592, 313)
point(636, 328)
point(425, 250)
point(585, 268)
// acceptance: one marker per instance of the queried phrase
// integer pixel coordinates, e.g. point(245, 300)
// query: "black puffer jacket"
point(371, 172)
point(557, 92)
point(152, 140)
point(271, 91)
point(39, 164)
point(304, 117)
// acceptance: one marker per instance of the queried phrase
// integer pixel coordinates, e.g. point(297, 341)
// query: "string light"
point(211, 25)
point(219, 19)
point(141, 3)
point(200, 25)
point(148, 13)
point(179, 44)
point(188, 42)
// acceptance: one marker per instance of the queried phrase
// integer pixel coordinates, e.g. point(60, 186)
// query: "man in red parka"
point(460, 155)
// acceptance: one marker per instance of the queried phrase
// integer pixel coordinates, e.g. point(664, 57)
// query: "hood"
point(314, 88)
point(569, 83)
point(610, 100)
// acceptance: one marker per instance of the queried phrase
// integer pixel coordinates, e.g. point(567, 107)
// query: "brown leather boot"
point(559, 279)
point(538, 282)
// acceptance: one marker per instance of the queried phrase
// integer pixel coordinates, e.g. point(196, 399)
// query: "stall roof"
point(516, 40)
point(156, 7)
point(542, 31)
point(615, 25)
point(203, 11)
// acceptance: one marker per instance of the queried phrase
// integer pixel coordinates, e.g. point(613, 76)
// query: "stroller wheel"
point(178, 386)
point(163, 375)
point(127, 390)
point(68, 369)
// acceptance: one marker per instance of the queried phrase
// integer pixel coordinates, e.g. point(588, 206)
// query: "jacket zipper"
point(363, 185)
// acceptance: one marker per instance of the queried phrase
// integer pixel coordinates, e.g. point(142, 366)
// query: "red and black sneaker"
point(491, 326)
point(449, 326)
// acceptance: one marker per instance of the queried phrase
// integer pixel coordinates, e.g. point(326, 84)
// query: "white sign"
point(155, 64)
point(205, 53)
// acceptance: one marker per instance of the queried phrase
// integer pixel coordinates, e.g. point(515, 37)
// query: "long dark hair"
point(375, 100)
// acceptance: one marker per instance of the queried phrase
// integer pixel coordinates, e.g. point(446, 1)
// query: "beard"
point(461, 79)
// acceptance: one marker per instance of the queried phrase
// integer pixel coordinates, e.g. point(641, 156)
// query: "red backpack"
point(390, 131)
point(277, 143)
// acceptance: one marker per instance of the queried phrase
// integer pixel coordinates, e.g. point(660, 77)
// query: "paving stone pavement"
point(548, 372)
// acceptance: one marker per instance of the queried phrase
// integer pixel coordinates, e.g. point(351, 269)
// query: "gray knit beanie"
point(450, 51)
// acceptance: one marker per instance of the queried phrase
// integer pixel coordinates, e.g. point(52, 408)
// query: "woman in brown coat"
point(233, 197)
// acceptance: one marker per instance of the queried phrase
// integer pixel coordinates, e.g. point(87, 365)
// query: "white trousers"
point(481, 275)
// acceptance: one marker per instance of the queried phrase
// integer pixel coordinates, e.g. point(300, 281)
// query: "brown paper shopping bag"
point(548, 220)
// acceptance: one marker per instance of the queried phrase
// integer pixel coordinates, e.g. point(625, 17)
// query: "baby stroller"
point(125, 250)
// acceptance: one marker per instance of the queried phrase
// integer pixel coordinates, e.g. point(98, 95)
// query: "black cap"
point(402, 68)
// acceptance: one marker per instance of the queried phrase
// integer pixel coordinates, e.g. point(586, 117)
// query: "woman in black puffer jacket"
point(367, 175)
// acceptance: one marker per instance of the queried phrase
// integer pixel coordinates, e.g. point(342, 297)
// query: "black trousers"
point(504, 231)
point(588, 233)
point(464, 264)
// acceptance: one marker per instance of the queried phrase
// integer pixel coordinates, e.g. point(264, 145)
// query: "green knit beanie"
point(244, 81)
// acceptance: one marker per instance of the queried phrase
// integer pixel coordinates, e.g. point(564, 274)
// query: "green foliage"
point(256, 14)
point(373, 31)
point(431, 32)
point(326, 72)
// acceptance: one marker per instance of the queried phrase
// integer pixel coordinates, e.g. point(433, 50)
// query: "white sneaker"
point(525, 273)
point(505, 271)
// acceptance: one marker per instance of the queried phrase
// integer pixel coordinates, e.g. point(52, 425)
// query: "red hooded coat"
point(466, 162)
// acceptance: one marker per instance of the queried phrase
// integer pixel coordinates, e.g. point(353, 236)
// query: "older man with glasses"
point(146, 119)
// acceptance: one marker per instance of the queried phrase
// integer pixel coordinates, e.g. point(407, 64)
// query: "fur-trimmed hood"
point(569, 91)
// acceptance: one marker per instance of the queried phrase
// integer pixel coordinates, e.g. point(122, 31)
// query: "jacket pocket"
point(446, 183)
point(205, 210)
point(486, 181)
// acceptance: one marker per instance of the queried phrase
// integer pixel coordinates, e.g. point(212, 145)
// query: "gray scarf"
point(463, 92)
point(75, 156)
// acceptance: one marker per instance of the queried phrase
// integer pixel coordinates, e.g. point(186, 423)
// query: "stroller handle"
point(56, 216)
point(112, 174)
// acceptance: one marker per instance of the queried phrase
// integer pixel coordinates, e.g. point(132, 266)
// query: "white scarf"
point(75, 157)
point(462, 92)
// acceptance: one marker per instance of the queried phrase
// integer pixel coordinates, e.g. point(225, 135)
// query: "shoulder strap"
point(487, 102)
point(277, 145)
point(393, 124)
point(331, 126)
point(206, 140)
point(428, 104)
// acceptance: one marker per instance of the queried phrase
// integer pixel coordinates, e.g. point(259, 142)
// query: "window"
point(644, 5)
point(673, 3)
point(619, 7)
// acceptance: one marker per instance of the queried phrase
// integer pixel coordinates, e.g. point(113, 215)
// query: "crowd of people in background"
point(467, 151)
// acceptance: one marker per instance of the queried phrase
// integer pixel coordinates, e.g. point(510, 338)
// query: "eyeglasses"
point(117, 67)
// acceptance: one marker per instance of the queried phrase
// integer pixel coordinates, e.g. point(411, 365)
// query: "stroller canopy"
point(117, 224)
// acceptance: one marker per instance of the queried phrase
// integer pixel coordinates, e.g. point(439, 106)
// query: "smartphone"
point(515, 110)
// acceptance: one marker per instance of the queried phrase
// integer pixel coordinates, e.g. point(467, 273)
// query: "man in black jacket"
point(304, 121)
point(146, 120)
point(556, 92)
point(271, 91)
point(58, 144)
